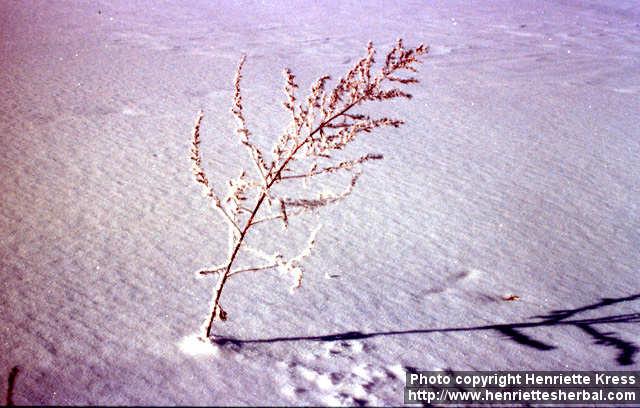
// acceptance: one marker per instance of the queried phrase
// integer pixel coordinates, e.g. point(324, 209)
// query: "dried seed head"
point(321, 124)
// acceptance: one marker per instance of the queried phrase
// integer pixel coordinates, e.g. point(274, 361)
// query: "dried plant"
point(11, 385)
point(320, 125)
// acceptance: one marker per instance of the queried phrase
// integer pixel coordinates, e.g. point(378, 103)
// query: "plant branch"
point(201, 177)
point(345, 165)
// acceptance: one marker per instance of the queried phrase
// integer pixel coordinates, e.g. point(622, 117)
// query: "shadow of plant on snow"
point(514, 331)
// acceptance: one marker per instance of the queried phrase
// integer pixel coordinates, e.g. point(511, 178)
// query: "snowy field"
point(517, 173)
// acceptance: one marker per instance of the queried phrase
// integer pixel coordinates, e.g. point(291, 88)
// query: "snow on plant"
point(320, 125)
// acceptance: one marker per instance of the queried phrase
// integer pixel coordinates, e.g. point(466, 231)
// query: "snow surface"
point(517, 173)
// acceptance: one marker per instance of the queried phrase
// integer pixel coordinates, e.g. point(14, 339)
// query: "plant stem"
point(215, 307)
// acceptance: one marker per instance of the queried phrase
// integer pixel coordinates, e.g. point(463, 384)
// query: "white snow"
point(517, 173)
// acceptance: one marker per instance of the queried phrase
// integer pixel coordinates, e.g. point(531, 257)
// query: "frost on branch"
point(320, 125)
